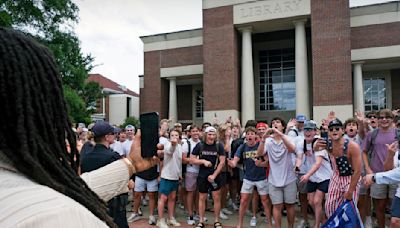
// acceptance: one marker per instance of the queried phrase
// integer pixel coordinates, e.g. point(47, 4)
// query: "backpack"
point(201, 152)
point(374, 134)
point(295, 131)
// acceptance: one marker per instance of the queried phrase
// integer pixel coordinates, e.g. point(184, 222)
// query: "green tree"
point(132, 121)
point(51, 23)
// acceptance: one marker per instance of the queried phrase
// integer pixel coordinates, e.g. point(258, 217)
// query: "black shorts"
point(235, 175)
point(322, 186)
point(396, 207)
point(225, 178)
point(203, 185)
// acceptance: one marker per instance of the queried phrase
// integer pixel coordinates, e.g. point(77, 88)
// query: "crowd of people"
point(268, 168)
point(52, 176)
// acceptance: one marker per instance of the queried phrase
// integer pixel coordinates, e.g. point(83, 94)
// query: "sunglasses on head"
point(384, 117)
point(334, 128)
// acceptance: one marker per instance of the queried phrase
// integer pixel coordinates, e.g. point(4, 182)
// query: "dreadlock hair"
point(34, 109)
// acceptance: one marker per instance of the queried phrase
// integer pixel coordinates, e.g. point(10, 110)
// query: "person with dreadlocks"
point(39, 182)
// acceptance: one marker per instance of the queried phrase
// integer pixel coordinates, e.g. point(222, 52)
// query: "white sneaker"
point(303, 224)
point(134, 217)
point(144, 202)
point(253, 221)
point(190, 222)
point(161, 223)
point(223, 216)
point(173, 222)
point(368, 222)
point(226, 211)
point(235, 207)
point(152, 220)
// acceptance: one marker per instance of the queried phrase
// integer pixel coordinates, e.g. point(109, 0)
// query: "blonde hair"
point(221, 132)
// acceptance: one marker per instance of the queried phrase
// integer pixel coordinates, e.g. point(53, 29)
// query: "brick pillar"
point(220, 56)
point(331, 58)
point(154, 95)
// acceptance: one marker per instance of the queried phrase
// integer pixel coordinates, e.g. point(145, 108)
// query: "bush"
point(132, 121)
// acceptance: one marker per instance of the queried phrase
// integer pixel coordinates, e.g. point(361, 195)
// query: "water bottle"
point(214, 185)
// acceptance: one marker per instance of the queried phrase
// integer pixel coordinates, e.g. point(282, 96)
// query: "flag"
point(346, 216)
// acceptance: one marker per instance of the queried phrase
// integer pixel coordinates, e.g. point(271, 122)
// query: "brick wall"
point(375, 35)
point(185, 102)
point(154, 95)
point(182, 56)
point(220, 55)
point(331, 53)
point(395, 75)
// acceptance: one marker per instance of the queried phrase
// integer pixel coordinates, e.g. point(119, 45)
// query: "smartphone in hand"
point(149, 126)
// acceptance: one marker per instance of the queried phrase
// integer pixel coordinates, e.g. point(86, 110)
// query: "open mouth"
point(351, 130)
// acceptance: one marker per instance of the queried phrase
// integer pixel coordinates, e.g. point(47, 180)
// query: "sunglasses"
point(384, 117)
point(370, 117)
point(334, 128)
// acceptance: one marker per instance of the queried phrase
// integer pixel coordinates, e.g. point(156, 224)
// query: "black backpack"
point(187, 155)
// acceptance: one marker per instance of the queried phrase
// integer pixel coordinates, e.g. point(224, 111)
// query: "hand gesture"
point(304, 178)
point(258, 162)
point(331, 116)
point(396, 112)
point(292, 122)
point(135, 155)
point(360, 116)
point(368, 179)
point(348, 195)
point(320, 144)
point(392, 148)
point(276, 131)
point(207, 163)
point(174, 141)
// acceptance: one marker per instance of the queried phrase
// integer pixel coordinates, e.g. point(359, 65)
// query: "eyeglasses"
point(308, 129)
point(384, 117)
point(334, 128)
point(371, 116)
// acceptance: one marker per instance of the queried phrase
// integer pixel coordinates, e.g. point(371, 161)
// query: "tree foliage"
point(51, 23)
point(132, 121)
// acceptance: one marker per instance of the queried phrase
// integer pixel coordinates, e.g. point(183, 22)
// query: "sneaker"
point(190, 221)
point(303, 224)
point(205, 219)
point(235, 207)
point(196, 218)
point(226, 211)
point(134, 217)
point(172, 221)
point(253, 221)
point(152, 220)
point(144, 202)
point(223, 216)
point(368, 222)
point(161, 223)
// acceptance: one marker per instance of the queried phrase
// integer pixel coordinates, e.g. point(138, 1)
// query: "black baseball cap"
point(335, 122)
point(103, 128)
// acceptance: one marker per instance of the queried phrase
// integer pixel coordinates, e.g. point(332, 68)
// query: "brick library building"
point(262, 59)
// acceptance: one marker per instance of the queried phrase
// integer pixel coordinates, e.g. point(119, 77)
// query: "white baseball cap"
point(210, 129)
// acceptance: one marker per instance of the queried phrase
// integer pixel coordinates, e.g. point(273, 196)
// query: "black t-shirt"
point(209, 153)
point(148, 174)
point(100, 156)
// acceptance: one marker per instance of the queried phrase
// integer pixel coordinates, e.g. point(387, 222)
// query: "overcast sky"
point(110, 29)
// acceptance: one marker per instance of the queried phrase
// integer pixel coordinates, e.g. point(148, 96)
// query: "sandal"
point(217, 225)
point(200, 225)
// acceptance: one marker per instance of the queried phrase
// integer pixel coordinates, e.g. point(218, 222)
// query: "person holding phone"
point(346, 166)
point(36, 169)
point(210, 156)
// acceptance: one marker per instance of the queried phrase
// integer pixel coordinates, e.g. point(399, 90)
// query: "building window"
point(374, 94)
point(277, 80)
point(199, 103)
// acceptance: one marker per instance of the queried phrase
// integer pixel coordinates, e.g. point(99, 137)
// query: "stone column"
point(173, 107)
point(302, 86)
point(358, 90)
point(247, 79)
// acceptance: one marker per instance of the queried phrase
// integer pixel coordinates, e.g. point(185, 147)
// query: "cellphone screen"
point(149, 125)
point(324, 135)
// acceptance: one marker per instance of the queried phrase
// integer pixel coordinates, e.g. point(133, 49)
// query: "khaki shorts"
point(383, 191)
point(248, 187)
point(286, 194)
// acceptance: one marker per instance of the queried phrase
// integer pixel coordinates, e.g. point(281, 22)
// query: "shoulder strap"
point(241, 150)
point(374, 134)
point(345, 146)
point(217, 161)
point(295, 131)
point(189, 147)
point(200, 149)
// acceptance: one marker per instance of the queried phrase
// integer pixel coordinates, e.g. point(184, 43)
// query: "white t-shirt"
point(189, 167)
point(172, 165)
point(117, 147)
point(308, 159)
point(122, 148)
point(280, 160)
point(126, 147)
point(325, 170)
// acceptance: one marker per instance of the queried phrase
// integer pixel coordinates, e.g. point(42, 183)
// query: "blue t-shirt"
point(251, 171)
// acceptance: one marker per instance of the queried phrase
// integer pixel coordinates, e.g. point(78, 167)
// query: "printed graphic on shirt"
point(250, 154)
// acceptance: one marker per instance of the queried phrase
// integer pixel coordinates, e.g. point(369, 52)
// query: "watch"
point(373, 178)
